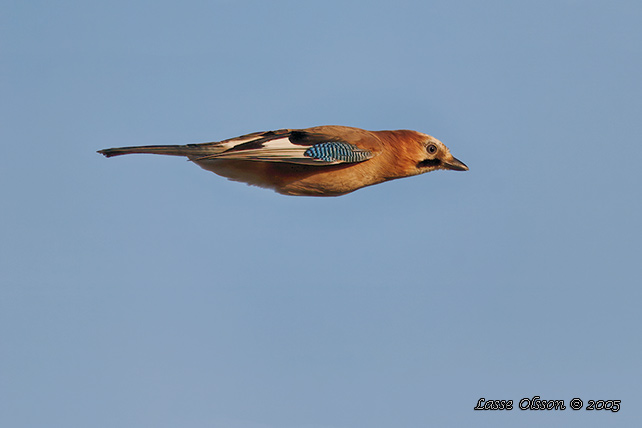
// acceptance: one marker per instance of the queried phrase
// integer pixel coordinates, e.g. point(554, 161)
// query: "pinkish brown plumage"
point(318, 161)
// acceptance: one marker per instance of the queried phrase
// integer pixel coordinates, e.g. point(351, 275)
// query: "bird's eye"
point(432, 149)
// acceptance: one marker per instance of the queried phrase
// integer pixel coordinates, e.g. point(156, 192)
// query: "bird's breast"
point(294, 179)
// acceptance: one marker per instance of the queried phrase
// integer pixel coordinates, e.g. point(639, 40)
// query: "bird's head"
point(431, 154)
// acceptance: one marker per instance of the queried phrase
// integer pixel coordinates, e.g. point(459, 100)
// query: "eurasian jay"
point(318, 161)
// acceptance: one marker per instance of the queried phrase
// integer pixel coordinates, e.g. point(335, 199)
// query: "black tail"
point(184, 150)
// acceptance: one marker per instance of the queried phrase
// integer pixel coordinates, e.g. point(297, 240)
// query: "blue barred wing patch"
point(336, 151)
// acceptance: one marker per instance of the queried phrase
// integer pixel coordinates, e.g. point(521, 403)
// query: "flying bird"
point(318, 161)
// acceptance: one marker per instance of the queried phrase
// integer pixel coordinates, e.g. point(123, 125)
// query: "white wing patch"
point(281, 149)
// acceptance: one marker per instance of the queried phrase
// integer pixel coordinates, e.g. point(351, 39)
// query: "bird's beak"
point(455, 164)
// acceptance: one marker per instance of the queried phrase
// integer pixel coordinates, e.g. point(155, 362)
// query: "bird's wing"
point(307, 146)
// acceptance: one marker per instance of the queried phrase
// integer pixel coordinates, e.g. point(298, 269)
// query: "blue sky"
point(144, 291)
